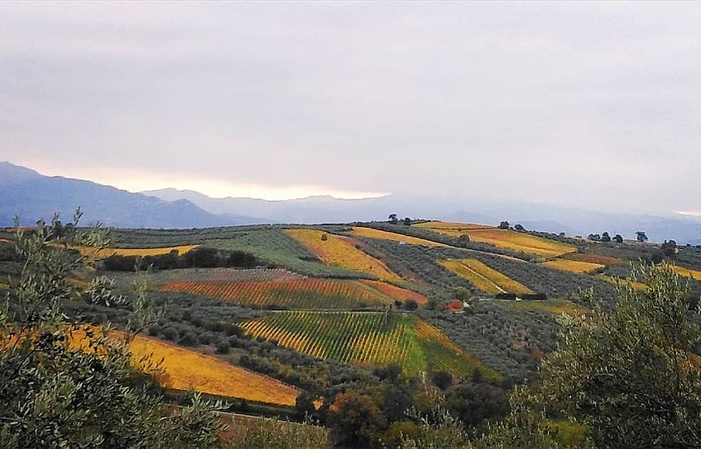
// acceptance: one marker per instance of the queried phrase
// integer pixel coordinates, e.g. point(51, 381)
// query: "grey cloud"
point(552, 102)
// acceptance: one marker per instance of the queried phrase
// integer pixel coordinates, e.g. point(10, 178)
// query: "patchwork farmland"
point(321, 309)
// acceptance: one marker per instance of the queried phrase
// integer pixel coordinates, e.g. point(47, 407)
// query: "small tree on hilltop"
point(641, 236)
point(504, 225)
point(407, 221)
point(393, 219)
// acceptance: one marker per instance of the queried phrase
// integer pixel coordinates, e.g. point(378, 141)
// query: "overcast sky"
point(590, 104)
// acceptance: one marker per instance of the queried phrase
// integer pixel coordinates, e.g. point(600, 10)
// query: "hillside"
point(379, 309)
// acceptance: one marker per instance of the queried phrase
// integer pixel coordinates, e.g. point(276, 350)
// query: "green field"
point(368, 339)
point(274, 246)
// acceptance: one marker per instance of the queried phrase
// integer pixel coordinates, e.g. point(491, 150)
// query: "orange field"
point(484, 278)
point(394, 292)
point(185, 368)
point(573, 266)
point(384, 235)
point(686, 272)
point(305, 293)
point(502, 238)
point(338, 252)
point(596, 258)
point(106, 252)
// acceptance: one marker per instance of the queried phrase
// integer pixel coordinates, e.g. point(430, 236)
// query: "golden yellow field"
point(573, 266)
point(185, 368)
point(483, 277)
point(338, 252)
point(636, 285)
point(106, 252)
point(384, 235)
point(502, 238)
point(554, 306)
point(686, 272)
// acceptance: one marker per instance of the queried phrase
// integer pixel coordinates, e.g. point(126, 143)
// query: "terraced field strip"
point(185, 368)
point(301, 293)
point(396, 293)
point(164, 277)
point(596, 258)
point(687, 272)
point(337, 251)
point(106, 252)
point(573, 266)
point(384, 235)
point(636, 285)
point(503, 238)
point(554, 306)
point(483, 277)
point(367, 339)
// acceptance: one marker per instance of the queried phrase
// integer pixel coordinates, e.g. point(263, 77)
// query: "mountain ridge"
point(30, 195)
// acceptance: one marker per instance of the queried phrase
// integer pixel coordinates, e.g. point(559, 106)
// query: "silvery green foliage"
point(55, 395)
point(632, 375)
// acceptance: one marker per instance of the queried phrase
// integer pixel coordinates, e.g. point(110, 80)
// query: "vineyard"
point(339, 252)
point(163, 277)
point(573, 266)
point(301, 293)
point(366, 338)
point(371, 233)
point(483, 277)
point(394, 292)
point(183, 369)
point(502, 238)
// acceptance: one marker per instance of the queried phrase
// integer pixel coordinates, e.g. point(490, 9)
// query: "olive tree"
point(65, 384)
point(632, 375)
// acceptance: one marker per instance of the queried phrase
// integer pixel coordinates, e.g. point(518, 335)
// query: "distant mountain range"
point(534, 216)
point(31, 195)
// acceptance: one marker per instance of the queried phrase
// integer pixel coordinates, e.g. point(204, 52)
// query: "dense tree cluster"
point(200, 257)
